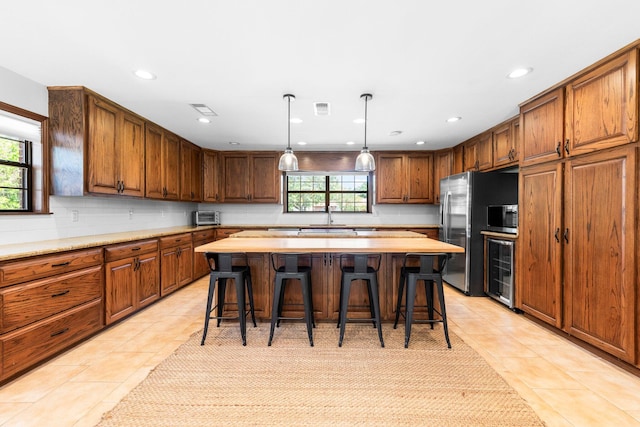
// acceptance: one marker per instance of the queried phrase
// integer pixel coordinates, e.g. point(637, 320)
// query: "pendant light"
point(288, 160)
point(365, 161)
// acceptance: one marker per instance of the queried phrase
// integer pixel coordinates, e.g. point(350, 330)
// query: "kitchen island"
point(325, 266)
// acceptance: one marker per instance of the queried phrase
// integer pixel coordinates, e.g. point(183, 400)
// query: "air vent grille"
point(321, 108)
point(204, 110)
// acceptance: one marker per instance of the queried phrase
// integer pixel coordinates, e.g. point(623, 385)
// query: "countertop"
point(22, 250)
point(507, 236)
point(319, 234)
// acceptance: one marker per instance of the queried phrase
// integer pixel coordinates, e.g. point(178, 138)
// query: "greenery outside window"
point(317, 191)
point(22, 161)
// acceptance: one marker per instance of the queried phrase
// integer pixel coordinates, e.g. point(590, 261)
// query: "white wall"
point(99, 215)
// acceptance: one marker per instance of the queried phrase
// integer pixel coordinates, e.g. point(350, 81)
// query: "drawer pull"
point(135, 249)
point(59, 294)
point(62, 264)
point(55, 334)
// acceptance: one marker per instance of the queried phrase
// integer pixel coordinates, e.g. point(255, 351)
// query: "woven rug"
point(293, 384)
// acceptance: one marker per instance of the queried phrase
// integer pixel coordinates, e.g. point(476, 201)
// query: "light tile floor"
point(565, 384)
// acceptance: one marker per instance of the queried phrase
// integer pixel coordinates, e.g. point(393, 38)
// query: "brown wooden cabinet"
point(97, 146)
point(211, 176)
point(162, 169)
point(542, 128)
point(200, 265)
point(190, 172)
point(602, 106)
point(132, 278)
point(478, 152)
point(443, 167)
point(250, 177)
point(176, 262)
point(505, 143)
point(404, 177)
point(576, 247)
point(47, 304)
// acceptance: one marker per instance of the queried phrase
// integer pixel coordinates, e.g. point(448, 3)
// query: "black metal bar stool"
point(292, 270)
point(431, 277)
point(360, 271)
point(222, 269)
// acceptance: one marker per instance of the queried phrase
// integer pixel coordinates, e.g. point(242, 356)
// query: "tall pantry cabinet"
point(578, 208)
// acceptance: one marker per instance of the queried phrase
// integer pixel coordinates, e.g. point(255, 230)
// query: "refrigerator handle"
point(446, 208)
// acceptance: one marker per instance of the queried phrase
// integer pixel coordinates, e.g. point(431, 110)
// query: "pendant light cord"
point(288, 121)
point(366, 101)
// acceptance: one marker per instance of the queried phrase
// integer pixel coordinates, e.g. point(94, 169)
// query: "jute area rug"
point(293, 384)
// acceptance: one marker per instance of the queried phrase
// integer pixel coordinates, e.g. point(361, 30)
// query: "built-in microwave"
point(502, 218)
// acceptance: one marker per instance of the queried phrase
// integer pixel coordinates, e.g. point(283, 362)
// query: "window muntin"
point(15, 174)
point(315, 192)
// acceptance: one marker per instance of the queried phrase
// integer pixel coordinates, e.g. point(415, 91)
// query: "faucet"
point(329, 219)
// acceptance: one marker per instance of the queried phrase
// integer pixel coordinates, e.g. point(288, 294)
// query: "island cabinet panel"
point(404, 177)
point(602, 106)
point(600, 253)
point(539, 247)
point(132, 278)
point(542, 128)
point(176, 262)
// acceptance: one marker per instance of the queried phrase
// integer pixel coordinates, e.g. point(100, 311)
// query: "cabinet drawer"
point(113, 253)
point(176, 240)
point(24, 304)
point(27, 269)
point(24, 347)
point(223, 233)
point(208, 235)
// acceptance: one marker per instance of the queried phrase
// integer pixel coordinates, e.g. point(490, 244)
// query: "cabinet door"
point(211, 180)
point(265, 178)
point(120, 295)
point(600, 254)
point(196, 174)
point(131, 156)
point(185, 265)
point(443, 164)
point(601, 109)
point(186, 164)
point(539, 248)
point(502, 145)
point(390, 178)
point(458, 159)
point(171, 166)
point(168, 270)
point(541, 128)
point(153, 162)
point(235, 172)
point(148, 279)
point(478, 152)
point(102, 147)
point(419, 178)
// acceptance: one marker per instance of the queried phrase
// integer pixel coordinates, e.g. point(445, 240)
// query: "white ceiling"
point(423, 61)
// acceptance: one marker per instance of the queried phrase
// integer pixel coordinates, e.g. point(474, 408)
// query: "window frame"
point(38, 171)
point(327, 191)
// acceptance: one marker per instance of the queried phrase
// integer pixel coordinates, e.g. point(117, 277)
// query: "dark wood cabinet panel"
point(403, 177)
point(505, 143)
point(478, 152)
point(443, 167)
point(211, 176)
point(250, 177)
point(190, 172)
point(542, 128)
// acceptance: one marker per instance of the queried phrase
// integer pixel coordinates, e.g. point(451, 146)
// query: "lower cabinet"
point(200, 265)
point(176, 262)
point(132, 278)
point(47, 304)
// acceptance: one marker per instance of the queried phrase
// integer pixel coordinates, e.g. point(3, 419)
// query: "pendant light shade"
point(288, 160)
point(365, 161)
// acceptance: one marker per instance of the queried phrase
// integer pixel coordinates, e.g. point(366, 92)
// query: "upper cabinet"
point(211, 176)
point(601, 106)
point(162, 168)
point(505, 143)
point(541, 128)
point(190, 172)
point(97, 147)
point(443, 167)
point(404, 177)
point(250, 177)
point(478, 152)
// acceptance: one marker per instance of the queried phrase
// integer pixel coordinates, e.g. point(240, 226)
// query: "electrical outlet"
point(130, 213)
point(74, 215)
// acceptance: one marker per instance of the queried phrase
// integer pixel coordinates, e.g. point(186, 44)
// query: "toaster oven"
point(206, 217)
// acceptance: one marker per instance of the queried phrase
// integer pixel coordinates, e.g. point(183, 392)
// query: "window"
point(22, 160)
point(316, 191)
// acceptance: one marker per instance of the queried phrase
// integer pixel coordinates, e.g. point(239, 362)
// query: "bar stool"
point(292, 270)
point(221, 271)
point(360, 271)
point(431, 277)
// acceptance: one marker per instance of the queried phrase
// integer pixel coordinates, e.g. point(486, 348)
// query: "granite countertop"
point(22, 250)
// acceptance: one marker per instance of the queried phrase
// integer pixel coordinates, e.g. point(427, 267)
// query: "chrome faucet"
point(329, 219)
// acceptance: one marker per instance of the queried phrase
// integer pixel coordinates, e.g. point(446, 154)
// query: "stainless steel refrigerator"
point(463, 215)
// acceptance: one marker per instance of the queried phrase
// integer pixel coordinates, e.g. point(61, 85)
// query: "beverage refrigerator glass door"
point(500, 271)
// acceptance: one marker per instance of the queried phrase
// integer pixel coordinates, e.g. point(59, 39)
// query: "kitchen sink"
point(325, 226)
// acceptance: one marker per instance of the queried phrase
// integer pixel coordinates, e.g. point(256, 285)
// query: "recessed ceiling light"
point(146, 75)
point(395, 132)
point(203, 120)
point(420, 143)
point(358, 121)
point(295, 120)
point(453, 119)
point(350, 142)
point(233, 143)
point(302, 143)
point(519, 72)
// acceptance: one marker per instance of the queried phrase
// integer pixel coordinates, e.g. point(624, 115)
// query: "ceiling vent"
point(204, 110)
point(321, 108)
